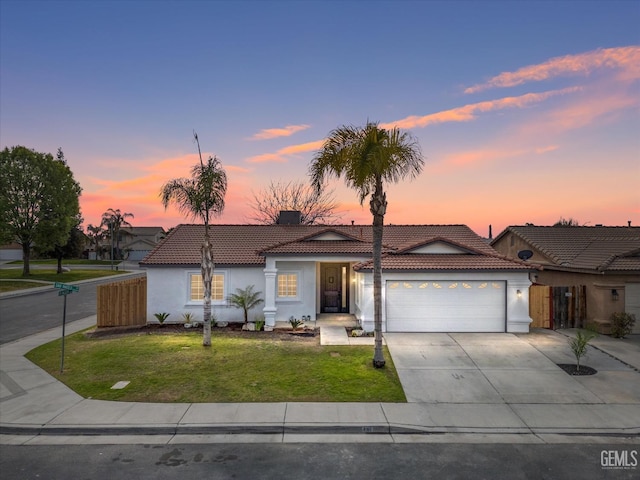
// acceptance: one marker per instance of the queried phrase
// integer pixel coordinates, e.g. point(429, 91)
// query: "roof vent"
point(289, 217)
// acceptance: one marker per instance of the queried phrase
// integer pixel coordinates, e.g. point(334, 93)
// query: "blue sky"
point(525, 111)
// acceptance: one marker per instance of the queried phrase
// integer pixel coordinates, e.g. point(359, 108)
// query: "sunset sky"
point(525, 111)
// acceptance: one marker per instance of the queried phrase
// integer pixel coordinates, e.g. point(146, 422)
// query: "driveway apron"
point(480, 368)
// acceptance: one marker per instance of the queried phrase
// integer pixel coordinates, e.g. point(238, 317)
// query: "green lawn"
point(239, 367)
point(12, 279)
point(13, 285)
point(70, 261)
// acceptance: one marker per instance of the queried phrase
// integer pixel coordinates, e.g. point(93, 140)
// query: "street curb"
point(237, 429)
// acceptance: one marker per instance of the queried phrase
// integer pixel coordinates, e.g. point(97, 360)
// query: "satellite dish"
point(525, 255)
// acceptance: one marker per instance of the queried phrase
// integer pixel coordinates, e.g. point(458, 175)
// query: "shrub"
point(622, 324)
point(579, 345)
point(187, 317)
point(246, 299)
point(295, 323)
point(161, 316)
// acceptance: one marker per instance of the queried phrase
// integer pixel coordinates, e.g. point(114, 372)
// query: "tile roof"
point(248, 245)
point(591, 248)
point(446, 262)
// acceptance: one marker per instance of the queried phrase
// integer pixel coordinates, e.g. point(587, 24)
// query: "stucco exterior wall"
point(168, 291)
point(600, 301)
point(511, 244)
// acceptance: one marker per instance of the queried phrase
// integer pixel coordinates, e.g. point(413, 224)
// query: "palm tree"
point(367, 158)
point(115, 220)
point(200, 197)
point(246, 299)
point(95, 234)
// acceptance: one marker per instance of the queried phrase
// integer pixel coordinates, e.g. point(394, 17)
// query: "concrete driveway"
point(503, 368)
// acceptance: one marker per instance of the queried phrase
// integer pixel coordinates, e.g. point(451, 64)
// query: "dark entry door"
point(335, 288)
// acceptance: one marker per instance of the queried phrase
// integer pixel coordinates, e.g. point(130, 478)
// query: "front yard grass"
point(12, 279)
point(240, 367)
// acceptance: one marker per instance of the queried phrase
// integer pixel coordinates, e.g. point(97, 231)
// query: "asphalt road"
point(301, 461)
point(25, 315)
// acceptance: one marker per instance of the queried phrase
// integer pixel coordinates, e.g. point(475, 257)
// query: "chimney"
point(290, 217)
point(490, 233)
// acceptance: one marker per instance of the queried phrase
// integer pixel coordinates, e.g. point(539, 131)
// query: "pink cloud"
point(481, 157)
point(281, 155)
point(470, 112)
point(625, 59)
point(270, 133)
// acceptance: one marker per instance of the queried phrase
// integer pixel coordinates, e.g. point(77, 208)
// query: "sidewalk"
point(37, 409)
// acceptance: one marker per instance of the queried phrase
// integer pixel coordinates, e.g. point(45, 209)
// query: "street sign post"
point(64, 291)
point(64, 286)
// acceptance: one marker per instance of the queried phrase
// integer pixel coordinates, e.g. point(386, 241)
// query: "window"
point(197, 287)
point(287, 285)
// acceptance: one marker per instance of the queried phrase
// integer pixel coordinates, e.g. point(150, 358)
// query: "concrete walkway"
point(460, 388)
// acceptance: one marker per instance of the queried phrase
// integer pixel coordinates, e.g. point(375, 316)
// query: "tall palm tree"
point(369, 157)
point(95, 234)
point(200, 197)
point(115, 220)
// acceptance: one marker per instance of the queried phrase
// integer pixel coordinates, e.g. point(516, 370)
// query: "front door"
point(335, 288)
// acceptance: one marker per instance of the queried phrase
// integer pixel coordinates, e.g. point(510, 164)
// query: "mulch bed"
point(232, 330)
point(570, 368)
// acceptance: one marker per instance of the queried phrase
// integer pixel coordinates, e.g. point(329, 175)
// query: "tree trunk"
point(59, 271)
point(207, 276)
point(378, 206)
point(26, 257)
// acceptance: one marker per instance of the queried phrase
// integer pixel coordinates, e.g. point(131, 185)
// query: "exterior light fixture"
point(614, 294)
point(519, 293)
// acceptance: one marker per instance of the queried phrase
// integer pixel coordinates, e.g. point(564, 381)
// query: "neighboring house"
point(604, 259)
point(11, 252)
point(137, 242)
point(436, 278)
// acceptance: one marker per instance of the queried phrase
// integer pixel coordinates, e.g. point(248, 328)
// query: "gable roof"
point(592, 248)
point(142, 231)
point(248, 245)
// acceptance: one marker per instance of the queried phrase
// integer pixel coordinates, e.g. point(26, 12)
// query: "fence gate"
point(557, 307)
point(122, 304)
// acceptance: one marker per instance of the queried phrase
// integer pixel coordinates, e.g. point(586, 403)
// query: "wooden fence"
point(122, 304)
point(557, 307)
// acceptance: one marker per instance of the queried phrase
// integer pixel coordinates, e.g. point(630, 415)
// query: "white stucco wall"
point(168, 291)
point(517, 307)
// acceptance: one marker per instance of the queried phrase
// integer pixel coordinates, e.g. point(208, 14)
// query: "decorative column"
point(270, 309)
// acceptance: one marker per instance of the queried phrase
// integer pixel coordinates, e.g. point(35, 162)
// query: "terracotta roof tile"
point(445, 262)
point(248, 245)
point(592, 248)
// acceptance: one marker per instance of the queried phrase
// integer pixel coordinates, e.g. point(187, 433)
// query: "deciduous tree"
point(316, 207)
point(39, 199)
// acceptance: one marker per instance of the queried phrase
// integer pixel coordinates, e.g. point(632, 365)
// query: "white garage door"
point(446, 306)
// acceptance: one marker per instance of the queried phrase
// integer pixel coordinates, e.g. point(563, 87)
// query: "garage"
point(445, 306)
point(632, 302)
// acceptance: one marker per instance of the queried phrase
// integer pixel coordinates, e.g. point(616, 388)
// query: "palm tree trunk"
point(378, 207)
point(207, 276)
